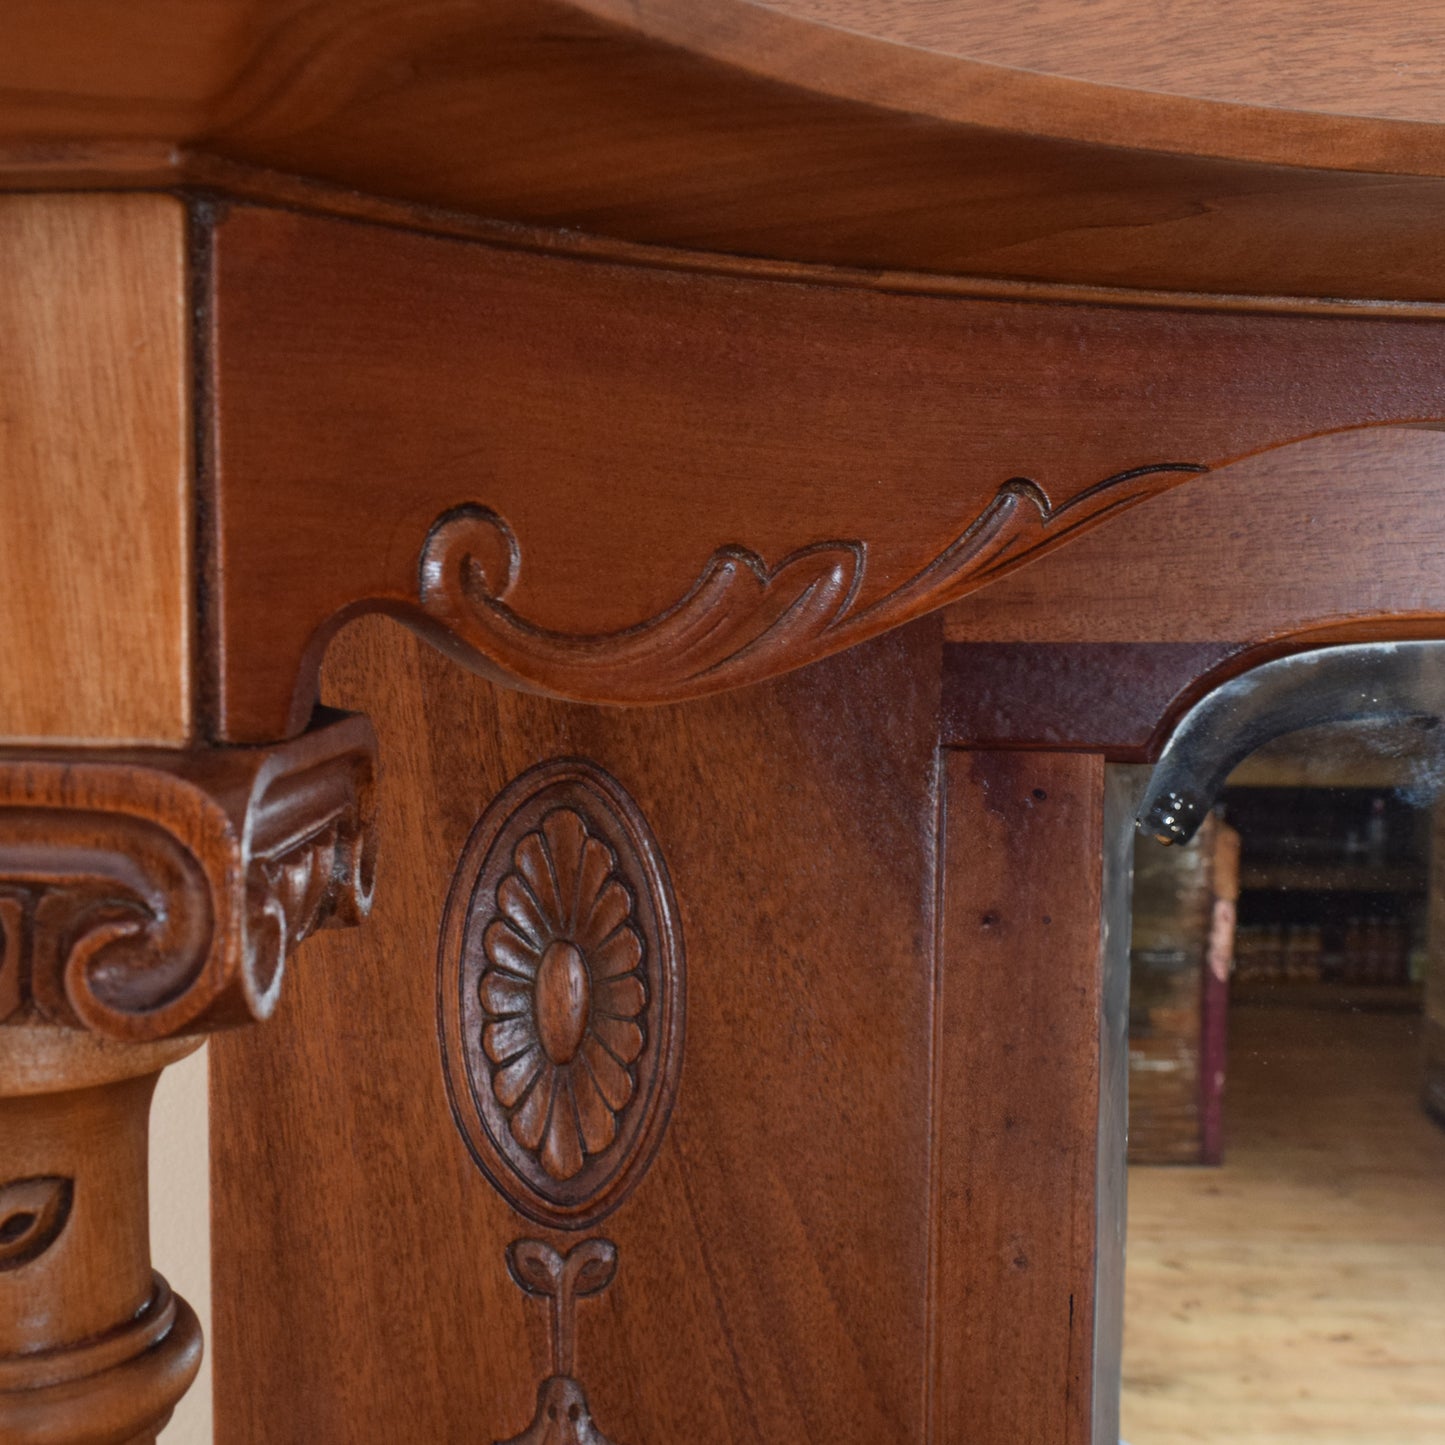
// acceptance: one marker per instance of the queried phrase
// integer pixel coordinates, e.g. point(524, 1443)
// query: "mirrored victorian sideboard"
point(577, 575)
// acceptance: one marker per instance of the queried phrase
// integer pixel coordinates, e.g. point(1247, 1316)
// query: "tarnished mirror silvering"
point(1388, 683)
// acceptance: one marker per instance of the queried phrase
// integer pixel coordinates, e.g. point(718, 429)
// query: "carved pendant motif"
point(33, 1212)
point(562, 1416)
point(561, 993)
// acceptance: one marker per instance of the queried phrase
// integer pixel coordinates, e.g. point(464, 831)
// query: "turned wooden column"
point(146, 897)
point(106, 922)
point(153, 885)
point(93, 1344)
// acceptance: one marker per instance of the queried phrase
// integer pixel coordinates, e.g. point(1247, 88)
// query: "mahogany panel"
point(1017, 1116)
point(770, 1275)
point(623, 484)
point(1336, 533)
point(1103, 646)
point(1103, 697)
point(95, 554)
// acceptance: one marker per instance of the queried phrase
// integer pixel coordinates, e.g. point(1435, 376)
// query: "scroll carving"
point(562, 1416)
point(560, 980)
point(741, 621)
point(144, 894)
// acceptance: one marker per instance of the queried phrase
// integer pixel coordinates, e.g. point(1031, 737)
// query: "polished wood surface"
point(1320, 539)
point(94, 1347)
point(876, 135)
point(632, 354)
point(1103, 697)
point(1106, 643)
point(103, 912)
point(1339, 57)
point(772, 1275)
point(1017, 1122)
point(95, 553)
point(145, 895)
point(537, 459)
point(1294, 1293)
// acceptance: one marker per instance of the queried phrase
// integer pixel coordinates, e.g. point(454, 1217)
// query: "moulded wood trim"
point(626, 485)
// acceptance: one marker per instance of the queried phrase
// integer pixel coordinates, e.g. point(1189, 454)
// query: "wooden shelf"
point(1328, 877)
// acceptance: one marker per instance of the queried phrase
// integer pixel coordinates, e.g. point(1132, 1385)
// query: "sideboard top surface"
point(1226, 150)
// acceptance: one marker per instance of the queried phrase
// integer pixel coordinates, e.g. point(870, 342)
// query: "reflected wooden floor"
point(1297, 1294)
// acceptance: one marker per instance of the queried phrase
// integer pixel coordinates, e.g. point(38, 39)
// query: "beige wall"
point(181, 1220)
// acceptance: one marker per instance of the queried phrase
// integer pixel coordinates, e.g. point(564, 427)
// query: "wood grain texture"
point(1330, 541)
point(538, 459)
point(1103, 697)
point(1294, 1293)
point(145, 894)
point(95, 554)
point(772, 1265)
point(93, 1345)
point(1017, 1104)
point(896, 136)
point(1340, 57)
point(1322, 538)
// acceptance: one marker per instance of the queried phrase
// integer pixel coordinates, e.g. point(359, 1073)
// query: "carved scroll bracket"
point(742, 620)
point(145, 894)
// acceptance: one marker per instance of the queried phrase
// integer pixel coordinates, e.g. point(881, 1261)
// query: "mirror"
point(1285, 1265)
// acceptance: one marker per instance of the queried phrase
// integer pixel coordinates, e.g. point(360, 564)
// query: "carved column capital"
point(148, 893)
point(145, 897)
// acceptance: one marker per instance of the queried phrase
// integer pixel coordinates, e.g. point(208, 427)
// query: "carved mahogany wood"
point(561, 993)
point(144, 895)
point(632, 354)
point(562, 1417)
point(94, 1347)
point(104, 911)
point(775, 1259)
point(1331, 541)
point(540, 461)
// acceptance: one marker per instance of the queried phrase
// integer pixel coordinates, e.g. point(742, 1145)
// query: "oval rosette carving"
point(561, 993)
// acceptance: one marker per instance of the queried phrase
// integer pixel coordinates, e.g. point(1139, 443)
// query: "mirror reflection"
point(1285, 1276)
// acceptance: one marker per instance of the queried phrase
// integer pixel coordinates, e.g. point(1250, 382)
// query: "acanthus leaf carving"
point(741, 620)
point(146, 893)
